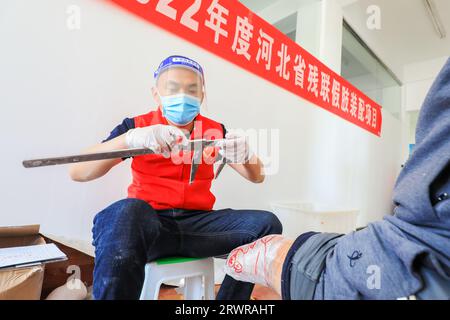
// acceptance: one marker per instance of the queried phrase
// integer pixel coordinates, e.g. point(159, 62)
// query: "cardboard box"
point(57, 273)
point(21, 283)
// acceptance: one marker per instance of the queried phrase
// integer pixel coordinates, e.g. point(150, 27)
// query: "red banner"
point(230, 30)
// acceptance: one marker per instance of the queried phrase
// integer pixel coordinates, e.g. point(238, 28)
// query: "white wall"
point(63, 90)
point(418, 79)
point(319, 26)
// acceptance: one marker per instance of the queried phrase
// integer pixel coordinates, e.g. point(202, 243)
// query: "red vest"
point(165, 184)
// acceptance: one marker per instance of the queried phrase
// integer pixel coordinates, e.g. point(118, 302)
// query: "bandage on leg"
point(260, 261)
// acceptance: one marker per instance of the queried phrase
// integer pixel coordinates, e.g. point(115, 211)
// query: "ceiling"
point(407, 33)
point(257, 5)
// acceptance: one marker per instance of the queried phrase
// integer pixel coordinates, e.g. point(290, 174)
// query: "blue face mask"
point(180, 109)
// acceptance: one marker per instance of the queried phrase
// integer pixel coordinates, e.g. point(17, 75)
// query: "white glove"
point(235, 148)
point(160, 138)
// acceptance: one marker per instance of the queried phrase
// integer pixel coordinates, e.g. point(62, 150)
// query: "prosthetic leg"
point(260, 261)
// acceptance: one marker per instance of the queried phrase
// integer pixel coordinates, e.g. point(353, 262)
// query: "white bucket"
point(298, 218)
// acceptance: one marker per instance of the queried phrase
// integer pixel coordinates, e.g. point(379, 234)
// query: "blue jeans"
point(129, 233)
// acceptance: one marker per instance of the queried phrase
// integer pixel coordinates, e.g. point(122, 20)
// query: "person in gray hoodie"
point(405, 255)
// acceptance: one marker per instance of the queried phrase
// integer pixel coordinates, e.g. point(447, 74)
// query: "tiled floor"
point(259, 293)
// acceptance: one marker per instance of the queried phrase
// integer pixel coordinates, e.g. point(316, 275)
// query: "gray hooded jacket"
point(383, 261)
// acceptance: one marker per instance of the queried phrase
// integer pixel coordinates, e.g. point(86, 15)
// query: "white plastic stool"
point(193, 270)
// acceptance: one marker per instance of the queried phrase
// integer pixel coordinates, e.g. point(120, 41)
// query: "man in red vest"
point(164, 215)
